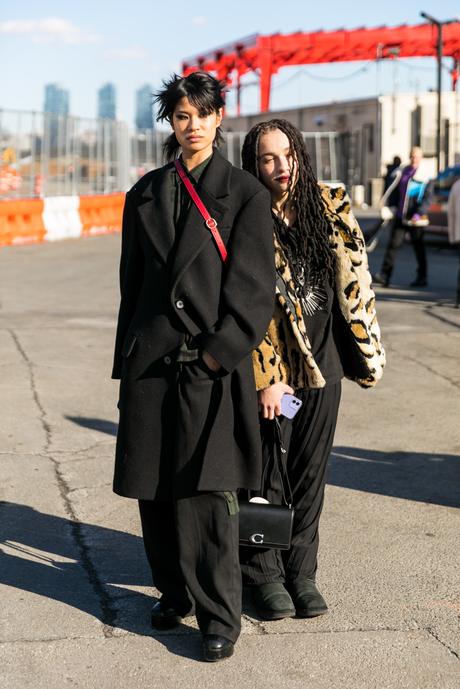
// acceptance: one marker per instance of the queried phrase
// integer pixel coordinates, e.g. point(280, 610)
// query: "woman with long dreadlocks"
point(324, 327)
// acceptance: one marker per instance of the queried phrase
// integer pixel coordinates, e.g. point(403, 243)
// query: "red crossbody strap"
point(211, 224)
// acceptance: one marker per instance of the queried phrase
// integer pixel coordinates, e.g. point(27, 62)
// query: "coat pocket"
point(128, 345)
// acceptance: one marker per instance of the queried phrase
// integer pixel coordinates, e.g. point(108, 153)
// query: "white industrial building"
point(371, 131)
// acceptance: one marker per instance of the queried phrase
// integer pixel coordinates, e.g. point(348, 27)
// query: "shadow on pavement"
point(101, 425)
point(84, 566)
point(444, 311)
point(94, 569)
point(403, 293)
point(415, 476)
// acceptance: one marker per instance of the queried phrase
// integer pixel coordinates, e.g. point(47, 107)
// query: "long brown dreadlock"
point(307, 245)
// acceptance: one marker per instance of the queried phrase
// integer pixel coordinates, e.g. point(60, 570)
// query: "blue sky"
point(83, 44)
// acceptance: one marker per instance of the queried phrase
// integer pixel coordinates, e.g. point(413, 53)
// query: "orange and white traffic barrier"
point(21, 221)
point(101, 214)
point(59, 217)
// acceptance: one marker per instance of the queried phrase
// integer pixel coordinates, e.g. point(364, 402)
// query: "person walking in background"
point(388, 179)
point(193, 307)
point(408, 197)
point(324, 327)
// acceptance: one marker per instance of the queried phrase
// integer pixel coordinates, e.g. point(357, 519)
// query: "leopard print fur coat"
point(285, 354)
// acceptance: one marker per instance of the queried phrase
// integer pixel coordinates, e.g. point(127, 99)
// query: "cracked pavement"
point(75, 586)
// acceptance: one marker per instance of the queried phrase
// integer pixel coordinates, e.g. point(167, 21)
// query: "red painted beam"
point(267, 54)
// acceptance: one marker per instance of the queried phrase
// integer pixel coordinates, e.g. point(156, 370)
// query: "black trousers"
point(308, 440)
point(192, 548)
point(394, 243)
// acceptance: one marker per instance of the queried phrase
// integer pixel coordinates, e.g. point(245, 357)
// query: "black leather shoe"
point(216, 647)
point(379, 279)
point(307, 599)
point(419, 282)
point(164, 617)
point(272, 601)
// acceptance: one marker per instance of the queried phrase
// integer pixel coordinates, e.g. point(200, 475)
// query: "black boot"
point(272, 601)
point(307, 599)
point(164, 616)
point(216, 647)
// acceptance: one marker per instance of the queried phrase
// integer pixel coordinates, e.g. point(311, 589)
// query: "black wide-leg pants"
point(308, 441)
point(192, 548)
point(191, 537)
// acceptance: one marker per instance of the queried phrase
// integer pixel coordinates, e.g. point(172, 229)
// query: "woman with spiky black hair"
point(324, 327)
point(193, 307)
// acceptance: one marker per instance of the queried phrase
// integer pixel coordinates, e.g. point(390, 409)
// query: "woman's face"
point(277, 166)
point(194, 132)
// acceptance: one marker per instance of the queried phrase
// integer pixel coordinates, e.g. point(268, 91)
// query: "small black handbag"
point(263, 524)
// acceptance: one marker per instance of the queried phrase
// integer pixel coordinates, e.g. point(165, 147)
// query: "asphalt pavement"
point(75, 586)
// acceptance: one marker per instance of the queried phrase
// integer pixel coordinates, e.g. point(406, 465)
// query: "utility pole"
point(439, 25)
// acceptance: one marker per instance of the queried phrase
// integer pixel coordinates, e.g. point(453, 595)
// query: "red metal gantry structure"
point(265, 55)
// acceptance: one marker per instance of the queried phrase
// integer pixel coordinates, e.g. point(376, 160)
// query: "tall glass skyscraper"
point(57, 109)
point(106, 102)
point(56, 99)
point(144, 107)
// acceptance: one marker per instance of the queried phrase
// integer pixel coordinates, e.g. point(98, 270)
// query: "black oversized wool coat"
point(172, 287)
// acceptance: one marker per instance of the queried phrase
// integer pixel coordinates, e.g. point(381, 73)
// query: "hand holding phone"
point(270, 399)
point(290, 405)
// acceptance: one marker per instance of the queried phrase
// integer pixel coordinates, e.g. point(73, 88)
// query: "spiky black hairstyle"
point(203, 90)
point(308, 246)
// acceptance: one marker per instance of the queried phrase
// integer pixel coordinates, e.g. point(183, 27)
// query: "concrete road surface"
point(76, 593)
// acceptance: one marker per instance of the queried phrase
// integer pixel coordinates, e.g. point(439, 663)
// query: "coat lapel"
point(213, 188)
point(156, 212)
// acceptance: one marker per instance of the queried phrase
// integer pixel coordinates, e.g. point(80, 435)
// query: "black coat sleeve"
point(248, 293)
point(131, 276)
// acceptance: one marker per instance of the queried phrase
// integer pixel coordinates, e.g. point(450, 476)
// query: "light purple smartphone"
point(290, 405)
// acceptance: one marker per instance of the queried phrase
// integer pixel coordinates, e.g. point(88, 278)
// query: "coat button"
point(179, 304)
point(167, 359)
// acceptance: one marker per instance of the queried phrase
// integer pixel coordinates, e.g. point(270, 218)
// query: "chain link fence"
point(43, 154)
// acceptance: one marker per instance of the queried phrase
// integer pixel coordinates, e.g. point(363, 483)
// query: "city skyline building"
point(56, 99)
point(57, 109)
point(106, 101)
point(144, 108)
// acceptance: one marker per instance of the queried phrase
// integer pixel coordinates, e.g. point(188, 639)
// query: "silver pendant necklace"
point(313, 297)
